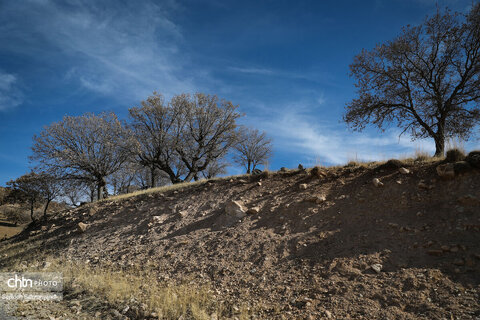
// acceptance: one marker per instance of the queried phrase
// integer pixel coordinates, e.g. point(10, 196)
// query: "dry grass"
point(136, 286)
point(172, 187)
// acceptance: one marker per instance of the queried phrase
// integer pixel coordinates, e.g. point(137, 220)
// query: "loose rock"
point(403, 170)
point(377, 267)
point(82, 227)
point(377, 183)
point(303, 186)
point(236, 209)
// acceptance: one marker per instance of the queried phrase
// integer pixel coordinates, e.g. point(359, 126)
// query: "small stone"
point(259, 184)
point(253, 210)
point(403, 170)
point(445, 248)
point(423, 185)
point(235, 209)
point(399, 181)
point(303, 186)
point(82, 227)
point(454, 249)
point(377, 267)
point(328, 314)
point(377, 183)
point(44, 228)
point(283, 169)
point(316, 199)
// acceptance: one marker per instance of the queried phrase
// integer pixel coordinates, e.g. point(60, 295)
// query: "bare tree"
point(215, 169)
point(427, 80)
point(204, 130)
point(84, 147)
point(37, 187)
point(252, 149)
point(153, 125)
point(183, 137)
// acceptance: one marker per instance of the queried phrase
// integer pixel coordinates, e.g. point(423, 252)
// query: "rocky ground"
point(299, 244)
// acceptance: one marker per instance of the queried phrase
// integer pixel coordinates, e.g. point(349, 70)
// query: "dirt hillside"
point(326, 245)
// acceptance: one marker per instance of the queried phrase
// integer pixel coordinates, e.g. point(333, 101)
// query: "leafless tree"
point(41, 186)
point(183, 137)
point(153, 125)
point(84, 147)
point(252, 149)
point(216, 168)
point(427, 80)
point(204, 130)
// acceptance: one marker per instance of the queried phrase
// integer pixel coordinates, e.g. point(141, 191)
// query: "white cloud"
point(10, 95)
point(261, 71)
point(125, 51)
point(297, 132)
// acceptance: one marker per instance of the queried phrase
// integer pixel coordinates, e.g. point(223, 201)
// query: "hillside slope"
point(295, 258)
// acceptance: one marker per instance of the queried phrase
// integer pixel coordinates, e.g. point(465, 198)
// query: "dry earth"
point(294, 259)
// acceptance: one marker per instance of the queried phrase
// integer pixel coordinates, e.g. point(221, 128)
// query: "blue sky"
point(284, 62)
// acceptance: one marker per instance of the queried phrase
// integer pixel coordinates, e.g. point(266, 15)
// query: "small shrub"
point(454, 155)
point(392, 164)
point(473, 159)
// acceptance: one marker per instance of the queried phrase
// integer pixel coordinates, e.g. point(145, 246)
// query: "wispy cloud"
point(124, 50)
point(260, 71)
point(334, 144)
point(10, 95)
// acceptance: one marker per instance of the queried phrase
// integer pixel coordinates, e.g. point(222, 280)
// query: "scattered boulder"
point(403, 170)
point(303, 186)
point(253, 210)
point(446, 171)
point(377, 267)
point(82, 227)
point(377, 183)
point(473, 159)
point(259, 184)
point(236, 209)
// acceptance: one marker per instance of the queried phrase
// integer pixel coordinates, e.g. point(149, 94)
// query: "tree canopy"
point(426, 81)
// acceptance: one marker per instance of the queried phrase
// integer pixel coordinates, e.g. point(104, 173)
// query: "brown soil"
point(297, 259)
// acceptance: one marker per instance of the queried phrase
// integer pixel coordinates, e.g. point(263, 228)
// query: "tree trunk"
point(249, 164)
point(190, 176)
point(31, 209)
point(100, 185)
point(45, 210)
point(152, 177)
point(440, 147)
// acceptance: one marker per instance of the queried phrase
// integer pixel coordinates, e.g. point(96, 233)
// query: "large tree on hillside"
point(89, 147)
point(253, 148)
point(204, 130)
point(183, 137)
point(153, 125)
point(427, 80)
